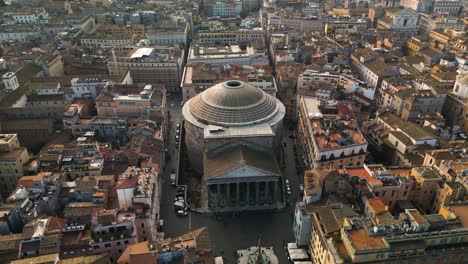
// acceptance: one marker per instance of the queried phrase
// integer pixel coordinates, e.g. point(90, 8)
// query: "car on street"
point(177, 138)
point(177, 144)
point(288, 190)
point(181, 188)
point(179, 199)
point(182, 103)
point(178, 126)
point(182, 212)
point(301, 188)
point(287, 182)
point(179, 205)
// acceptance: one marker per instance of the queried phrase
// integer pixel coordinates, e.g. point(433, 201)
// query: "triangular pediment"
point(243, 171)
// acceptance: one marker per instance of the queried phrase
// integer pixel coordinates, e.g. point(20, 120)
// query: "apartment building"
point(87, 87)
point(402, 137)
point(411, 238)
point(329, 134)
point(226, 8)
point(221, 55)
point(452, 7)
point(372, 68)
point(151, 65)
point(130, 100)
point(428, 23)
point(95, 41)
point(13, 158)
point(168, 32)
point(113, 230)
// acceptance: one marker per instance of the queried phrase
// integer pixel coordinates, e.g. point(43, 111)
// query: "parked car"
point(178, 126)
point(287, 182)
point(182, 212)
point(179, 205)
point(179, 199)
point(301, 188)
point(182, 103)
point(288, 190)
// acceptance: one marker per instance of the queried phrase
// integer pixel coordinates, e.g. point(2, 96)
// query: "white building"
point(46, 88)
point(31, 17)
point(428, 23)
point(221, 55)
point(302, 225)
point(451, 7)
point(136, 185)
point(87, 88)
point(10, 81)
point(461, 85)
point(227, 9)
point(19, 33)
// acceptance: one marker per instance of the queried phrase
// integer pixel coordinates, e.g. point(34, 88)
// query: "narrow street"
point(173, 224)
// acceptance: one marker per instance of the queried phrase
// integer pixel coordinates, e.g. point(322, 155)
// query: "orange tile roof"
point(418, 217)
point(400, 171)
point(363, 175)
point(362, 241)
point(56, 223)
point(462, 213)
point(377, 205)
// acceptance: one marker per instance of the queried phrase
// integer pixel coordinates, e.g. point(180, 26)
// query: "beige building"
point(151, 65)
point(13, 157)
point(329, 135)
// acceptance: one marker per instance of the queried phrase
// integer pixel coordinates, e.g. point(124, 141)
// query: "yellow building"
point(12, 160)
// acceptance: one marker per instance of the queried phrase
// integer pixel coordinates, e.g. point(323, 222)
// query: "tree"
point(2, 3)
point(242, 14)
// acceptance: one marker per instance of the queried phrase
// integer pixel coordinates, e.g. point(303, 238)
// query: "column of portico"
point(267, 190)
point(228, 192)
point(247, 200)
point(237, 194)
point(257, 192)
point(275, 194)
point(218, 195)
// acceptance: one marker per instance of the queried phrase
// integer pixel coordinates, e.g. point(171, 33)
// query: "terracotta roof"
point(135, 249)
point(377, 205)
point(11, 154)
point(362, 241)
point(56, 223)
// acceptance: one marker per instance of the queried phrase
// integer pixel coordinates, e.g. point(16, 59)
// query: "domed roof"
point(233, 103)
